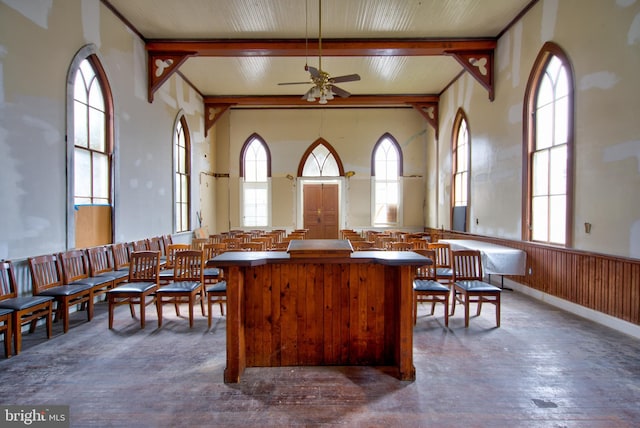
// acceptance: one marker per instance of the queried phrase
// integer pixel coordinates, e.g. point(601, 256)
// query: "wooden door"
point(320, 211)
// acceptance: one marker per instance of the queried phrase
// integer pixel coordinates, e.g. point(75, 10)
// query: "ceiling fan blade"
point(339, 91)
point(296, 83)
point(313, 71)
point(346, 78)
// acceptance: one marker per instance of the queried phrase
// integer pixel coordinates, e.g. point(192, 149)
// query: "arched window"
point(549, 149)
point(182, 170)
point(460, 169)
point(320, 160)
point(386, 170)
point(91, 152)
point(90, 148)
point(255, 168)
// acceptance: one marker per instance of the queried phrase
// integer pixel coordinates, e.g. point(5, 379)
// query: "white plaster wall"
point(602, 40)
point(38, 40)
point(351, 132)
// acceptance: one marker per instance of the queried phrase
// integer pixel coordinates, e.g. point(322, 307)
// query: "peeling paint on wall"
point(91, 21)
point(549, 15)
point(599, 80)
point(35, 11)
point(622, 151)
point(633, 37)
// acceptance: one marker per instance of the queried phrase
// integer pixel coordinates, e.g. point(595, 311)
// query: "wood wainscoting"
point(604, 283)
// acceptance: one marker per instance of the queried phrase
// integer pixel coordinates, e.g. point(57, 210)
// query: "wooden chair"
point(252, 246)
point(232, 243)
point(46, 276)
point(100, 265)
point(468, 284)
point(166, 274)
point(120, 254)
point(198, 243)
point(212, 274)
point(144, 278)
point(426, 288)
point(400, 246)
point(24, 309)
point(75, 270)
point(444, 272)
point(6, 328)
point(361, 245)
point(156, 244)
point(419, 244)
point(216, 293)
point(187, 284)
point(140, 245)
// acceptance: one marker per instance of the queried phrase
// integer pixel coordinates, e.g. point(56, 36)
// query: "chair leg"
point(64, 313)
point(446, 310)
point(143, 303)
point(498, 309)
point(159, 309)
point(7, 336)
point(110, 307)
point(191, 303)
point(202, 297)
point(209, 306)
point(17, 332)
point(466, 309)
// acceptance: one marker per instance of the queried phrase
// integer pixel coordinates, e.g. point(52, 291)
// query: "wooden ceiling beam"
point(330, 47)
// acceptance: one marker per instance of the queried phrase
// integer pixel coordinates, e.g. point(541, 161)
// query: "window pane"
point(545, 92)
point(80, 129)
point(540, 173)
point(255, 204)
point(100, 176)
point(561, 121)
point(181, 165)
point(82, 173)
point(184, 217)
point(96, 99)
point(96, 125)
point(557, 218)
point(311, 168)
point(81, 201)
point(558, 170)
point(184, 188)
point(544, 127)
point(79, 88)
point(562, 85)
point(539, 226)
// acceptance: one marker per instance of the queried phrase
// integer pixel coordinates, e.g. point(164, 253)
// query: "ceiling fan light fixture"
point(323, 99)
point(310, 97)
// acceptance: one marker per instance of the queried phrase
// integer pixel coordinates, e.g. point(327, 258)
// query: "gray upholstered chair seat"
point(65, 290)
point(428, 285)
point(20, 303)
point(5, 311)
point(220, 286)
point(477, 286)
point(132, 287)
point(179, 287)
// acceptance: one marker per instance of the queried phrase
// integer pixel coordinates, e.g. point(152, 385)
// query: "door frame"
point(320, 180)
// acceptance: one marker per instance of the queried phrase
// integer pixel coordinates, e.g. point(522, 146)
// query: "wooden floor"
point(542, 368)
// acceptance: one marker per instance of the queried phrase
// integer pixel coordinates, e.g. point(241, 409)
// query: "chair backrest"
point(426, 271)
point(7, 281)
point(144, 266)
point(155, 244)
point(443, 254)
point(120, 252)
point(45, 272)
point(252, 246)
point(172, 249)
point(74, 265)
point(401, 246)
point(99, 261)
point(361, 245)
point(232, 243)
point(140, 245)
point(189, 266)
point(166, 241)
point(198, 243)
point(467, 265)
point(419, 243)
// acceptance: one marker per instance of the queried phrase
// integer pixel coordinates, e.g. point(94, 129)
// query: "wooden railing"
point(604, 283)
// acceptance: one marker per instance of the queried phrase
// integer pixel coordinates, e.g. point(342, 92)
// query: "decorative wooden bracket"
point(161, 66)
point(480, 65)
point(212, 113)
point(430, 112)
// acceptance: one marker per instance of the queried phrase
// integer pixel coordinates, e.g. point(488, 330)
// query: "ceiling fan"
point(324, 87)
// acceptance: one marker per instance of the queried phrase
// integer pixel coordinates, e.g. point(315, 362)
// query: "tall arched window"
point(320, 160)
point(90, 148)
point(549, 149)
point(386, 170)
point(255, 170)
point(182, 170)
point(460, 157)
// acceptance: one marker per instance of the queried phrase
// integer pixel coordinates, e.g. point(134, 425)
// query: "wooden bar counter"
point(319, 303)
